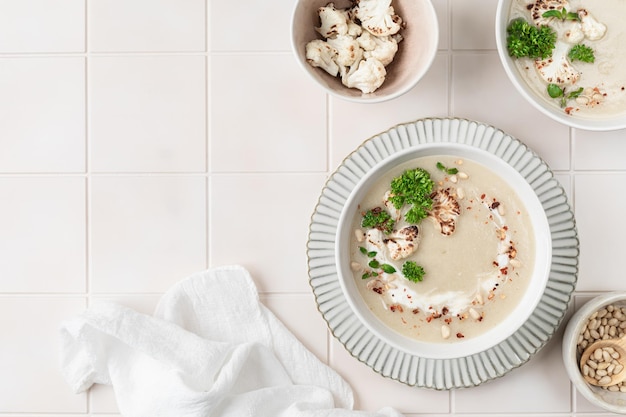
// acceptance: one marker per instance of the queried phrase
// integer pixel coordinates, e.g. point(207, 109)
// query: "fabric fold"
point(210, 349)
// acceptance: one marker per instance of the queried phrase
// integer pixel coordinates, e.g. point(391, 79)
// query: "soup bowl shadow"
point(509, 324)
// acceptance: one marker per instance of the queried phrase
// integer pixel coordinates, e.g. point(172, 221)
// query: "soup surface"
point(603, 81)
point(475, 249)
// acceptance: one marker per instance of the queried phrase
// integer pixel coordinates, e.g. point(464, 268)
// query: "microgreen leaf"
point(388, 269)
point(555, 91)
point(561, 14)
point(374, 263)
point(449, 171)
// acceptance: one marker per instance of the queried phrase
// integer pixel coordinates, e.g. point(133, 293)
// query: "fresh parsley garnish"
point(413, 272)
point(379, 219)
point(526, 40)
point(582, 53)
point(412, 188)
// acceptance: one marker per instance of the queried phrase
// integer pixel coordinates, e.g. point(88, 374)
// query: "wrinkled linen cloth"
point(211, 349)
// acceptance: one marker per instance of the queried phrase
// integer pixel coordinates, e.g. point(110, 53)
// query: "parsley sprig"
point(379, 219)
point(582, 53)
point(413, 188)
point(413, 272)
point(526, 40)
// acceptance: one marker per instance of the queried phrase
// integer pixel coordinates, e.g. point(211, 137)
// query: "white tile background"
point(137, 136)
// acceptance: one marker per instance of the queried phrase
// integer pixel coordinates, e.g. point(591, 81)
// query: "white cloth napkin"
point(211, 349)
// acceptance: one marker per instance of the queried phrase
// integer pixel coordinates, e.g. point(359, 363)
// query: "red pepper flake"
point(504, 270)
point(444, 310)
point(460, 335)
point(568, 110)
point(482, 196)
point(416, 311)
point(396, 307)
point(448, 320)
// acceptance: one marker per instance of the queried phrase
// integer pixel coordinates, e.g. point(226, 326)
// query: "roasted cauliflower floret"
point(320, 54)
point(383, 48)
point(333, 21)
point(368, 76)
point(539, 7)
point(357, 53)
point(574, 34)
point(445, 210)
point(403, 243)
point(378, 17)
point(348, 50)
point(557, 69)
point(592, 29)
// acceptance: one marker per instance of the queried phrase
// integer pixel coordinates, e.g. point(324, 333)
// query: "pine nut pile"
point(609, 322)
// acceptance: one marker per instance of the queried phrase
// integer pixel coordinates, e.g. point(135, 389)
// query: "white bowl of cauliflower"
point(365, 50)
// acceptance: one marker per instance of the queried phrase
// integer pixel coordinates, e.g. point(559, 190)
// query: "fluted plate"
point(474, 369)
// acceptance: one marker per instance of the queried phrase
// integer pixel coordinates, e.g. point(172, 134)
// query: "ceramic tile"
point(42, 244)
point(298, 312)
point(42, 26)
point(542, 378)
point(482, 92)
point(601, 244)
point(261, 222)
point(599, 150)
point(249, 25)
point(146, 25)
point(147, 113)
point(473, 24)
point(352, 123)
point(43, 114)
point(30, 381)
point(373, 391)
point(147, 232)
point(441, 9)
point(250, 131)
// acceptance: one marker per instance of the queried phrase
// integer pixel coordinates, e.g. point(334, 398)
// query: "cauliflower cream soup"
point(461, 268)
point(594, 87)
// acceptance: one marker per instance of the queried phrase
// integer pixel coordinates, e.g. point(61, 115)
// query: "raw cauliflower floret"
point(333, 21)
point(378, 17)
point(368, 76)
point(592, 29)
point(320, 54)
point(557, 69)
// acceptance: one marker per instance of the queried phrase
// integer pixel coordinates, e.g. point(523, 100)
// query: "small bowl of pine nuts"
point(601, 318)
